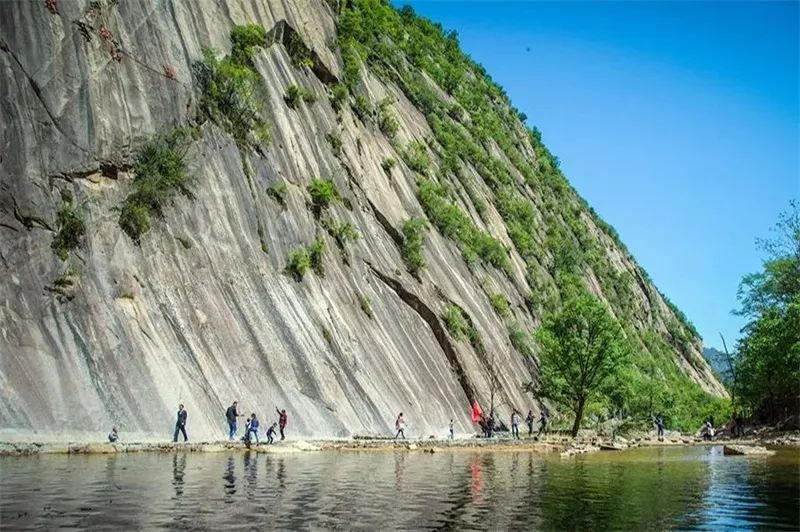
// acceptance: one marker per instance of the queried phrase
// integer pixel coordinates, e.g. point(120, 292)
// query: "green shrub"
point(343, 233)
point(298, 264)
point(362, 107)
point(455, 322)
point(299, 53)
point(323, 192)
point(316, 254)
point(335, 140)
point(296, 95)
point(160, 173)
point(278, 192)
point(387, 164)
point(500, 304)
point(416, 157)
point(454, 223)
point(521, 340)
point(71, 230)
point(387, 120)
point(366, 305)
point(338, 96)
point(230, 90)
point(414, 230)
point(245, 39)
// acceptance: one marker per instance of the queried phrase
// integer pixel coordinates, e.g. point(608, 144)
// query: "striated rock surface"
point(201, 310)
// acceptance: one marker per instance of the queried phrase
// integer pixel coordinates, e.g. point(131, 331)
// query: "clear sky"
point(677, 121)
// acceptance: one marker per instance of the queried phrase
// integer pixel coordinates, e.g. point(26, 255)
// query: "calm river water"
point(656, 488)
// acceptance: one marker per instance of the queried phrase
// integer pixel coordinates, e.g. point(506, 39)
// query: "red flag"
point(476, 412)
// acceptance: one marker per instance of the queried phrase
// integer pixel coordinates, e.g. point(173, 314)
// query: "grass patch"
point(338, 97)
point(71, 230)
point(161, 174)
point(343, 233)
point(500, 304)
point(323, 193)
point(298, 263)
point(414, 230)
point(455, 322)
point(278, 192)
point(297, 95)
point(365, 303)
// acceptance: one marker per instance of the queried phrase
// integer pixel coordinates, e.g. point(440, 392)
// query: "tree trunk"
point(578, 417)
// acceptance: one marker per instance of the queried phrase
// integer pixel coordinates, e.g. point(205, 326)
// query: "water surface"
point(655, 488)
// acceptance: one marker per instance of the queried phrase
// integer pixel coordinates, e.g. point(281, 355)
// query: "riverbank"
point(550, 444)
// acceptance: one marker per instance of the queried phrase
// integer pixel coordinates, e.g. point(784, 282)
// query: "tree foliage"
point(581, 347)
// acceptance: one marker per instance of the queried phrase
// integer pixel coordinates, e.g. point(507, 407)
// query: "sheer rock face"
point(201, 313)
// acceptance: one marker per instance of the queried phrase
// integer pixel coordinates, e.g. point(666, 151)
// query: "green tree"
point(768, 360)
point(581, 347)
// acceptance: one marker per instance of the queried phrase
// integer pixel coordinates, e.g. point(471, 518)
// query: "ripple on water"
point(643, 488)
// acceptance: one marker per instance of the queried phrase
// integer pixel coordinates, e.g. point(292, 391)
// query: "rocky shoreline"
point(552, 444)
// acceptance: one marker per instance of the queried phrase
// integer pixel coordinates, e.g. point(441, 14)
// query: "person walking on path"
point(282, 420)
point(451, 429)
point(514, 424)
point(529, 421)
point(542, 424)
point(252, 427)
point(231, 414)
point(400, 426)
point(180, 425)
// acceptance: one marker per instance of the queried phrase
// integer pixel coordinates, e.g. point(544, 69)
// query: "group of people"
point(252, 424)
point(486, 423)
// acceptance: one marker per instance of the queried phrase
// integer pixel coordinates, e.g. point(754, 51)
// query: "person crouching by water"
point(451, 429)
point(708, 430)
point(180, 425)
point(271, 433)
point(231, 414)
point(113, 435)
point(282, 420)
point(252, 427)
point(400, 426)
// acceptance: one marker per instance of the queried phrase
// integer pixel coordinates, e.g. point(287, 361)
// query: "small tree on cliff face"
point(581, 347)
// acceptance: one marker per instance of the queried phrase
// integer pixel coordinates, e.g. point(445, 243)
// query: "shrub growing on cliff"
point(316, 255)
point(278, 192)
point(343, 233)
point(298, 263)
point(338, 97)
point(335, 141)
point(299, 52)
point(362, 107)
point(295, 95)
point(160, 173)
point(387, 120)
point(414, 230)
point(500, 304)
point(455, 321)
point(416, 157)
point(323, 192)
point(229, 88)
point(71, 229)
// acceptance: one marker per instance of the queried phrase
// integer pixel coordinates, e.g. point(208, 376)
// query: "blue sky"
point(677, 121)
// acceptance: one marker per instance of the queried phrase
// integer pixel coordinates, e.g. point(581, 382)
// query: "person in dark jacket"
point(271, 433)
point(231, 414)
point(542, 423)
point(252, 427)
point(529, 421)
point(282, 420)
point(113, 435)
point(180, 425)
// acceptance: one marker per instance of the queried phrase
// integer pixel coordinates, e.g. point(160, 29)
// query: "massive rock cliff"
point(102, 326)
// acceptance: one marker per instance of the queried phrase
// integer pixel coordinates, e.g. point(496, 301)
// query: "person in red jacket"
point(282, 419)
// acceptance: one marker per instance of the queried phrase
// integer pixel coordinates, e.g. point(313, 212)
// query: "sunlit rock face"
point(202, 311)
